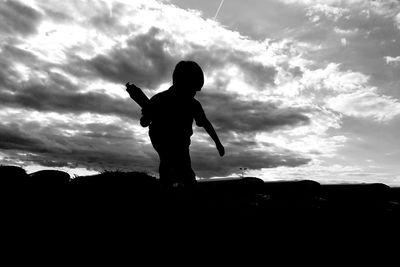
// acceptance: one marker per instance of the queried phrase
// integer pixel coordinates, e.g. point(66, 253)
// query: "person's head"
point(188, 76)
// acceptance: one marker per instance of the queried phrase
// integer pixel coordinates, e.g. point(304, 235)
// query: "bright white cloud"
point(397, 20)
point(330, 12)
point(346, 31)
point(347, 92)
point(366, 104)
point(333, 79)
point(395, 61)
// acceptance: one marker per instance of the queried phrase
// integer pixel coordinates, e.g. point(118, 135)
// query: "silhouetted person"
point(170, 116)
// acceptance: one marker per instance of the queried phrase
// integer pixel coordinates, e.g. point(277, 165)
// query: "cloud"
point(34, 82)
point(13, 138)
point(314, 2)
point(256, 155)
point(366, 104)
point(315, 12)
point(54, 92)
point(41, 98)
point(239, 158)
point(17, 18)
point(329, 69)
point(348, 32)
point(392, 60)
point(28, 82)
point(148, 60)
point(66, 142)
point(91, 142)
point(378, 4)
point(349, 93)
point(271, 102)
point(333, 80)
point(241, 116)
point(57, 16)
point(256, 73)
point(397, 20)
point(144, 60)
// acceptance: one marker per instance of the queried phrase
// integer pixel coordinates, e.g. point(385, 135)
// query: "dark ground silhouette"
point(118, 211)
point(127, 195)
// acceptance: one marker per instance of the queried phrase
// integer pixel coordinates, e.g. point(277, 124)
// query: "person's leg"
point(186, 173)
point(165, 170)
point(175, 166)
point(175, 163)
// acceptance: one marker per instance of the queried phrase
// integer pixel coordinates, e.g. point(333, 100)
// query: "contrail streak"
point(219, 8)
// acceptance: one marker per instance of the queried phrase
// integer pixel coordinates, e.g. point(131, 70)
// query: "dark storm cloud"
point(85, 157)
point(111, 146)
point(234, 114)
point(208, 164)
point(111, 132)
point(47, 98)
point(95, 146)
point(12, 137)
point(54, 96)
point(94, 160)
point(144, 61)
point(56, 93)
point(17, 18)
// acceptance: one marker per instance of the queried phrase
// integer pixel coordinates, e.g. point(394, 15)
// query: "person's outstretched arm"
point(210, 130)
point(145, 120)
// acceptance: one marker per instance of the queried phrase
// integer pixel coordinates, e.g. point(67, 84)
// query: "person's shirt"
point(172, 115)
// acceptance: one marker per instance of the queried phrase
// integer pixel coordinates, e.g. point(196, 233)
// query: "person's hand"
point(221, 149)
point(144, 122)
point(130, 87)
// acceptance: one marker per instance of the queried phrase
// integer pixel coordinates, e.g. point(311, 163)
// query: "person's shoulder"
point(160, 95)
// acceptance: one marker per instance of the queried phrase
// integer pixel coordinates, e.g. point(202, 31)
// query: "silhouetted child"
point(170, 115)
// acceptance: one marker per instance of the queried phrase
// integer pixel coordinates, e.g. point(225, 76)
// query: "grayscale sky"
point(305, 89)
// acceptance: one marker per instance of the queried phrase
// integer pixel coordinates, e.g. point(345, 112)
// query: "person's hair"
point(188, 73)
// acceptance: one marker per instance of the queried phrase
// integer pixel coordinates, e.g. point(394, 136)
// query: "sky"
point(296, 89)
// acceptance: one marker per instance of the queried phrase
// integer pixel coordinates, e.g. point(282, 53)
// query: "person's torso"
point(172, 116)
